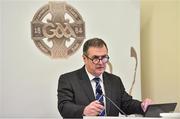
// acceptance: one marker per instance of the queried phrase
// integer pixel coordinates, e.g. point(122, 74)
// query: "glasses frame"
point(98, 59)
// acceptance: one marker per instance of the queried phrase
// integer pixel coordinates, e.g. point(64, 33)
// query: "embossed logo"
point(58, 30)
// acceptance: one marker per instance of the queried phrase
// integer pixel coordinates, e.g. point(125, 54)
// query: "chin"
point(99, 72)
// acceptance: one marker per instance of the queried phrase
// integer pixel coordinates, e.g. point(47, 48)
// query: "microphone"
point(120, 110)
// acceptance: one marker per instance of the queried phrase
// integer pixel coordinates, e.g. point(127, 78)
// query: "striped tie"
point(99, 97)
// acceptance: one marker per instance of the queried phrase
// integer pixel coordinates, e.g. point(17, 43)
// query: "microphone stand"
point(120, 110)
point(115, 105)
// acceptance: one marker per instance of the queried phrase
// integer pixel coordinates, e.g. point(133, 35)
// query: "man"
point(80, 92)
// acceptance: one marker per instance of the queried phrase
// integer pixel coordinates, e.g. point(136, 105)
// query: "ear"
point(84, 59)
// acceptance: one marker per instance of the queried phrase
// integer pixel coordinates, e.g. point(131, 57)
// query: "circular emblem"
point(58, 30)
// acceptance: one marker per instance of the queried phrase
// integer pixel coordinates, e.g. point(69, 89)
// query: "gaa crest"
point(58, 30)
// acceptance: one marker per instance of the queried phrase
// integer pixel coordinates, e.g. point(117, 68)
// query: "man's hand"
point(145, 103)
point(93, 109)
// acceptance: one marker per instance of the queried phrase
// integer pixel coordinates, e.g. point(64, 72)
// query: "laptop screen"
point(154, 110)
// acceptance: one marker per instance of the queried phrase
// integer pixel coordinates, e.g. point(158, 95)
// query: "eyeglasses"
point(96, 59)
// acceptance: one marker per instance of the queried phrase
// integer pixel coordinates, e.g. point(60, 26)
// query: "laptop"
point(154, 110)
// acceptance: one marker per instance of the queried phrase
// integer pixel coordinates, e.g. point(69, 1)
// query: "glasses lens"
point(95, 60)
point(105, 59)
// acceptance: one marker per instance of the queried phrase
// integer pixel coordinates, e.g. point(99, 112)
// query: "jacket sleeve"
point(128, 104)
point(66, 102)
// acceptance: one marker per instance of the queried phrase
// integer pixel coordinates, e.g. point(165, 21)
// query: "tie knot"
point(96, 79)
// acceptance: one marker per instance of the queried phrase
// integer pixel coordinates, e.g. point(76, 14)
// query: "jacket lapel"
point(107, 88)
point(86, 84)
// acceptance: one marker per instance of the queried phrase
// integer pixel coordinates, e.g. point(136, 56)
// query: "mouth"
point(100, 68)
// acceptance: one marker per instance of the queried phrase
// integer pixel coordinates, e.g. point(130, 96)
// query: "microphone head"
point(99, 91)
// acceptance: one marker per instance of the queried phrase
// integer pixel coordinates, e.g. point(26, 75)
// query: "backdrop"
point(28, 78)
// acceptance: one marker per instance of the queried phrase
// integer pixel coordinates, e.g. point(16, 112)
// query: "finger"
point(98, 107)
point(145, 104)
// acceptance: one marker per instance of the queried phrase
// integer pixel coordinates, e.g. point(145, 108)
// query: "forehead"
point(98, 51)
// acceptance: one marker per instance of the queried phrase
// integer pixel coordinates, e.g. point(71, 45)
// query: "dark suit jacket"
point(75, 92)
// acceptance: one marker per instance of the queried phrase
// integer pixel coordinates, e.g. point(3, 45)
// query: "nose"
point(100, 61)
